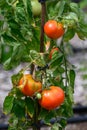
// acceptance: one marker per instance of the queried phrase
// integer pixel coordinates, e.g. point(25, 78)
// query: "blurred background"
point(77, 50)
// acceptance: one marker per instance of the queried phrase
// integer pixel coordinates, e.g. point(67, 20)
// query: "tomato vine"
point(23, 32)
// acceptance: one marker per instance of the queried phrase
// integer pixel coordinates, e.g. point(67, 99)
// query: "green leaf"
point(30, 105)
point(16, 77)
point(8, 104)
point(49, 116)
point(5, 52)
point(74, 8)
point(58, 70)
point(61, 8)
point(56, 60)
point(72, 78)
point(69, 93)
point(51, 5)
point(43, 114)
point(55, 126)
point(19, 108)
point(29, 8)
point(7, 64)
point(15, 58)
point(37, 58)
point(9, 39)
point(13, 122)
point(72, 16)
point(69, 35)
point(62, 123)
point(82, 30)
point(66, 108)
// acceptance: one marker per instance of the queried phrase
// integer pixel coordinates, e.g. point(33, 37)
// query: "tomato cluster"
point(51, 97)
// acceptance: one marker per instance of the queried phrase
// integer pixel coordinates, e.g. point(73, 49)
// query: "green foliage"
point(30, 105)
point(72, 78)
point(20, 33)
point(55, 126)
point(37, 58)
point(20, 30)
point(8, 104)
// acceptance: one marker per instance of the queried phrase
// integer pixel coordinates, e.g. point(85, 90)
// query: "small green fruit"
point(36, 7)
point(38, 95)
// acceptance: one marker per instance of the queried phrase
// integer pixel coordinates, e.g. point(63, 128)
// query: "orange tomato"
point(28, 86)
point(53, 29)
point(52, 97)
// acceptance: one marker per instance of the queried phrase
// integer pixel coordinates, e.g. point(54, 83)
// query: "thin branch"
point(65, 62)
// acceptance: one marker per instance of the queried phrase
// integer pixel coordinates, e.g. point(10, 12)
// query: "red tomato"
point(52, 51)
point(28, 86)
point(53, 29)
point(52, 97)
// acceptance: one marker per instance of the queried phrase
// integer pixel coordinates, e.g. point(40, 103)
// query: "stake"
point(36, 122)
point(43, 13)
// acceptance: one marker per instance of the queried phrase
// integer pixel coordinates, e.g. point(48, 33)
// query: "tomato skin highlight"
point(53, 29)
point(52, 97)
point(28, 86)
point(52, 51)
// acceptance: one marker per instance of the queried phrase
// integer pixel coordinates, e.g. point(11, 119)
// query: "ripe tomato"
point(28, 86)
point(53, 29)
point(52, 51)
point(52, 97)
point(36, 7)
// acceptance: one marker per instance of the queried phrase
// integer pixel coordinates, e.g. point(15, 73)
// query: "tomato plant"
point(53, 29)
point(52, 97)
point(25, 34)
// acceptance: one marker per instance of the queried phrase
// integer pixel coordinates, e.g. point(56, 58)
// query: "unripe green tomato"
point(36, 7)
point(38, 95)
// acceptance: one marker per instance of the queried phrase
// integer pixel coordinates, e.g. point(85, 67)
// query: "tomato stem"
point(37, 107)
point(65, 62)
point(36, 125)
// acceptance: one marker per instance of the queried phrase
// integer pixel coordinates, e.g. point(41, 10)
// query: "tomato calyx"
point(43, 68)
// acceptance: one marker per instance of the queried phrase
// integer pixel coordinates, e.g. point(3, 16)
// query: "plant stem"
point(65, 63)
point(35, 117)
point(42, 26)
point(36, 113)
point(37, 107)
